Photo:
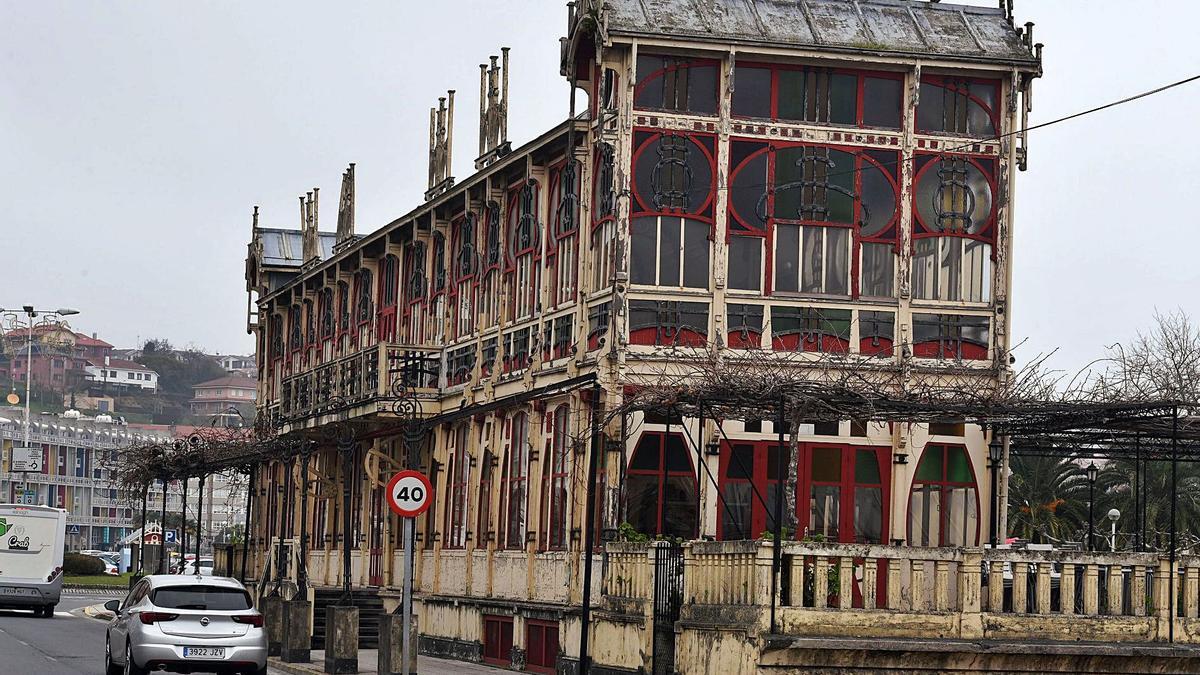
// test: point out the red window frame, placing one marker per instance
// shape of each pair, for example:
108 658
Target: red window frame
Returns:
759 480
464 263
295 328
541 646
327 331
555 478
662 474
944 486
415 290
344 316
925 162
516 214
483 528
682 62
760 520
457 481
889 234
556 236
860 96
514 481
385 316
993 112
497 640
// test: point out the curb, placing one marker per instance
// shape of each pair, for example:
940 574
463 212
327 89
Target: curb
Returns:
96 612
275 663
95 590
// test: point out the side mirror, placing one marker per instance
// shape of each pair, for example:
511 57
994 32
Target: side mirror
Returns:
113 606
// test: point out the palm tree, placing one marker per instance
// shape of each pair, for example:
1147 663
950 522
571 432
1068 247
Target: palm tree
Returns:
1047 498
1117 482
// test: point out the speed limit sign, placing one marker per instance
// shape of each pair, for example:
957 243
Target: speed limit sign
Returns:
409 493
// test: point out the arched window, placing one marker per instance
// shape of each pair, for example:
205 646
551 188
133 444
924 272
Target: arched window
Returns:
362 287
826 209
457 481
389 281
464 265
327 313
564 245
660 488
415 287
676 84
489 289
276 331
555 478
524 250
514 493
673 209
954 213
296 331
943 506
604 218
343 307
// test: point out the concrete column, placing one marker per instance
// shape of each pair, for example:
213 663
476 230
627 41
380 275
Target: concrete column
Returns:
297 631
272 611
341 640
391 644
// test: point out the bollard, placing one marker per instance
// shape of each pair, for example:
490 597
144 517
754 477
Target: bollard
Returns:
341 639
297 633
272 611
391 645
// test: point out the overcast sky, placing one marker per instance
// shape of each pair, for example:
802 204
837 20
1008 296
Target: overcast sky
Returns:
136 136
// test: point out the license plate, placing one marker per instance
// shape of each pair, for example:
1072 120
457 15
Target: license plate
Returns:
203 652
14 590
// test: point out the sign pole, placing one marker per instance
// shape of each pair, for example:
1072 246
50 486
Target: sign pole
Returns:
408 583
409 494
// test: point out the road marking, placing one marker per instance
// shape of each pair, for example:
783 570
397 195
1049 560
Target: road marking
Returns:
23 642
64 614
51 658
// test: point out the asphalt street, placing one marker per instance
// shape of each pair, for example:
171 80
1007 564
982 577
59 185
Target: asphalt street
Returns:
68 644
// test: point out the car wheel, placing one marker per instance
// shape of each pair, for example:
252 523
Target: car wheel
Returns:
110 668
130 667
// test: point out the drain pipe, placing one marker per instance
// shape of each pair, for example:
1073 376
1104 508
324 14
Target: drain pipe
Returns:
589 534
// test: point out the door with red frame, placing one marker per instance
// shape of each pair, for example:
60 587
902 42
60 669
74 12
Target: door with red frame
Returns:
843 492
541 646
848 494
497 640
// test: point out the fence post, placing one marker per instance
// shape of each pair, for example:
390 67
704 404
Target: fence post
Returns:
969 592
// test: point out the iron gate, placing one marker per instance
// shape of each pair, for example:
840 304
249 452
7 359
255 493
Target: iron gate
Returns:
668 596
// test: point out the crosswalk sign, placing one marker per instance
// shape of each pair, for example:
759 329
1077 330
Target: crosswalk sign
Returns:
74 529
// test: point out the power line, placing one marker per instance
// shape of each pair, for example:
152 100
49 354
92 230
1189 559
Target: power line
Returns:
989 139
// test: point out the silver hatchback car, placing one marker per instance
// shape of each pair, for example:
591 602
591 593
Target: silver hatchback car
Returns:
185 624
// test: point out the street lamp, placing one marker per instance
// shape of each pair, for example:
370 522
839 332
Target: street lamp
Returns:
11 319
1113 515
1092 471
995 457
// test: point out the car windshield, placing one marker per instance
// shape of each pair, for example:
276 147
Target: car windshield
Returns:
201 597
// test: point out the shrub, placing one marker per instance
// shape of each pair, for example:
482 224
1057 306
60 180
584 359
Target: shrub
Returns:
82 565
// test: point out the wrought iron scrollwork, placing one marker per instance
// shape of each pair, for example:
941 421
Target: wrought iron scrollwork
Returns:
953 201
568 200
526 232
815 170
671 178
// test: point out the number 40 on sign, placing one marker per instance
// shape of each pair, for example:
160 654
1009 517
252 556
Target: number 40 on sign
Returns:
409 493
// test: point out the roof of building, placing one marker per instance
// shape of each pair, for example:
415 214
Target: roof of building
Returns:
907 27
235 381
84 340
122 364
285 248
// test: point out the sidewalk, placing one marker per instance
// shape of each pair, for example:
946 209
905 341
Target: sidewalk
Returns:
368 660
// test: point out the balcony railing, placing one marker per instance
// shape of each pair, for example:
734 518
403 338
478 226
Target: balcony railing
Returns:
876 591
378 373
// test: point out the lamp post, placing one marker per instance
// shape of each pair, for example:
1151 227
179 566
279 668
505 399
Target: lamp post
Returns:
11 319
995 457
1113 515
1092 471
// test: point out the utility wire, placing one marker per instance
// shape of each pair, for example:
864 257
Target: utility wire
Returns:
973 142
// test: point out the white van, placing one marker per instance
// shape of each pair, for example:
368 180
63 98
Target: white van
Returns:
31 557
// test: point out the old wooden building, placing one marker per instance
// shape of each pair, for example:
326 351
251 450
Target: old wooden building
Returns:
829 183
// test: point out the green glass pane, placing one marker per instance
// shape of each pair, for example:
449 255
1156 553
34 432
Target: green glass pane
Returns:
866 467
843 99
827 465
930 467
958 468
791 94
